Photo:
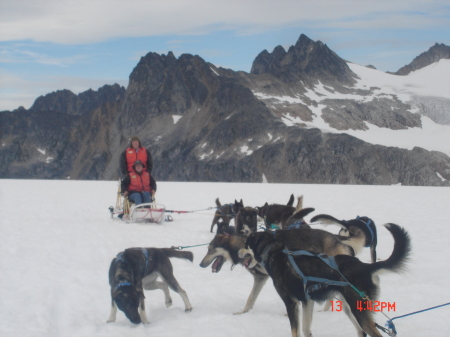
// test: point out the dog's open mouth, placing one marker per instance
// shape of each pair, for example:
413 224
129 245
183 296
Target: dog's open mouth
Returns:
247 260
217 264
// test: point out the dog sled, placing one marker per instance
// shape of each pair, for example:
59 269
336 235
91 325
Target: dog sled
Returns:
127 211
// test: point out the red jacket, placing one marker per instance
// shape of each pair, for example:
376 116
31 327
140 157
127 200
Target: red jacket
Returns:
132 156
139 183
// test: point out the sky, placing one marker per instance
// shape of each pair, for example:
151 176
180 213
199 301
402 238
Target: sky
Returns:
49 45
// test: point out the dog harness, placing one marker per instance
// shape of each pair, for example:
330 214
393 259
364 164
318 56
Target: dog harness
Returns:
321 282
372 235
297 224
121 284
120 258
145 252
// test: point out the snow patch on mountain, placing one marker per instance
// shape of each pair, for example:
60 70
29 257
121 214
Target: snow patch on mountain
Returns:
433 80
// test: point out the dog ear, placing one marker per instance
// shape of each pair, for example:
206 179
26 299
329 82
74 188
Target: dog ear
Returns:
299 203
291 200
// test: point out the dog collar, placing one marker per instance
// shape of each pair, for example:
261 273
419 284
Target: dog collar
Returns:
121 284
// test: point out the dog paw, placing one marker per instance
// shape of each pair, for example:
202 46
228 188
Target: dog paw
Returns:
240 312
168 303
188 310
110 320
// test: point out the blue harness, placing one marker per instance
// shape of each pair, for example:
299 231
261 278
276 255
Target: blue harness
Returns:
372 235
297 224
321 282
120 258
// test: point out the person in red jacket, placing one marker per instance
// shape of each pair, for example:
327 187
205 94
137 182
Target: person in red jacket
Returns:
133 153
139 185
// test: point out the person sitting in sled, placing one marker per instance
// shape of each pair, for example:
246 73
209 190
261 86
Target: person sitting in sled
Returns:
139 185
133 153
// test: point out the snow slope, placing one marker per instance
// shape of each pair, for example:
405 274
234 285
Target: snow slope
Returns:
58 241
431 81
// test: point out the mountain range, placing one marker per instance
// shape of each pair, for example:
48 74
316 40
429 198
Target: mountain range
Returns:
300 115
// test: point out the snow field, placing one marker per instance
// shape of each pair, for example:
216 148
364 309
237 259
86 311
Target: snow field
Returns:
58 241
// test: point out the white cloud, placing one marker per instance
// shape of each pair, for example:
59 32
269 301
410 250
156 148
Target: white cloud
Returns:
77 22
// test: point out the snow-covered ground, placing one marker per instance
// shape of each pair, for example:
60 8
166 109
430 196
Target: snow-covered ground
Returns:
58 241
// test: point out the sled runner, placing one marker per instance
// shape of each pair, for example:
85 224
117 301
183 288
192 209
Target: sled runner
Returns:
127 211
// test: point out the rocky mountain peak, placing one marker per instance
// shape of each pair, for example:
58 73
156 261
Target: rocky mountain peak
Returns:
66 102
204 123
167 85
306 61
303 41
432 55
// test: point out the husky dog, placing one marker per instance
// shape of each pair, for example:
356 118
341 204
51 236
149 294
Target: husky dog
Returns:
275 216
264 248
296 220
361 226
225 248
246 220
225 228
136 269
226 212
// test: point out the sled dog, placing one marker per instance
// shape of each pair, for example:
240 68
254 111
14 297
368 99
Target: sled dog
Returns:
136 269
264 248
225 228
225 248
359 227
226 212
246 221
275 216
296 220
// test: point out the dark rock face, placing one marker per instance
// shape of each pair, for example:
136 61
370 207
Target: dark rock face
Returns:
66 102
306 61
203 123
51 143
434 54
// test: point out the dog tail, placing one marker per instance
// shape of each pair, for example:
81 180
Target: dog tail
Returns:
400 254
218 203
178 254
328 220
302 213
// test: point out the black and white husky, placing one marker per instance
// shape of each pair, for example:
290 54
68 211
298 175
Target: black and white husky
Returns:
265 249
136 269
226 247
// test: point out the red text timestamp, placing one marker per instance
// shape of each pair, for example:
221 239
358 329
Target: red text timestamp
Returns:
376 306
